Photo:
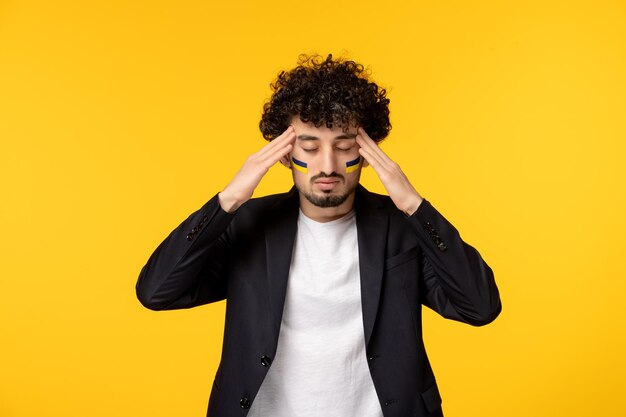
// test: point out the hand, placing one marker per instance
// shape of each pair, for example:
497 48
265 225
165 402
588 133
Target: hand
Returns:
402 193
242 186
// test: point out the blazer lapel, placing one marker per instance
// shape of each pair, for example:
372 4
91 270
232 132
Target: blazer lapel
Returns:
280 233
371 225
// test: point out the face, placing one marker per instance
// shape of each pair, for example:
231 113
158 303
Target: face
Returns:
325 163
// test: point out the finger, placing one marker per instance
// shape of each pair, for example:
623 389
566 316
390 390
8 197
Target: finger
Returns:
271 158
373 145
283 137
376 152
372 160
280 155
287 136
362 132
371 150
364 140
287 132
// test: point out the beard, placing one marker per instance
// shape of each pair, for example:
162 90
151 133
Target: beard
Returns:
329 199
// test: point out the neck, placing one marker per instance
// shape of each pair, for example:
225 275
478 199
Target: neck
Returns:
326 214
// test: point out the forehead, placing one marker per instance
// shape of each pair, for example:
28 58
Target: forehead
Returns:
308 131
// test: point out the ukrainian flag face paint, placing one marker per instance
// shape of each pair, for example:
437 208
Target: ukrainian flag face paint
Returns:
353 165
299 165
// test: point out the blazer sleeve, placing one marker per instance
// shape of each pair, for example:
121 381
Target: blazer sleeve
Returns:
188 268
456 282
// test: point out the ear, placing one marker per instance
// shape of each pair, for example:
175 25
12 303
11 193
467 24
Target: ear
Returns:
286 161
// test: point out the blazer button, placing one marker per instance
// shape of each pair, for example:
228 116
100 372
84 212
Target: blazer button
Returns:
244 402
442 246
194 230
189 236
265 360
205 218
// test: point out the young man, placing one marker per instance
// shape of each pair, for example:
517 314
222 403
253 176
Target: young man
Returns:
324 284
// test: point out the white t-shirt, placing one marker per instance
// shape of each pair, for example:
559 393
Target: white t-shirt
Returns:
320 368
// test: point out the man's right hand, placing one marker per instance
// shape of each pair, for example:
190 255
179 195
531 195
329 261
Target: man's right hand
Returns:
242 186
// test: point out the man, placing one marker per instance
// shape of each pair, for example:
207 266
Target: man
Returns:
324 284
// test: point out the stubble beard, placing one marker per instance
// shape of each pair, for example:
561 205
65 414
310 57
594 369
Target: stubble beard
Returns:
328 199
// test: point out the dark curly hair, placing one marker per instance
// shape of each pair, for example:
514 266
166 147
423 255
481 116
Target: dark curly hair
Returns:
334 92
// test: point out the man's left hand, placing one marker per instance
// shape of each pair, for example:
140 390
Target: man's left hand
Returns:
402 193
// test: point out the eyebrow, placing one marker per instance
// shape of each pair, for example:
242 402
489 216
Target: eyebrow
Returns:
344 136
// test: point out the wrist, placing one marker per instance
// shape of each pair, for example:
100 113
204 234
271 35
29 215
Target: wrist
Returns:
413 205
228 203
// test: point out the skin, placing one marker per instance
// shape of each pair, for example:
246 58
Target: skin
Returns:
326 157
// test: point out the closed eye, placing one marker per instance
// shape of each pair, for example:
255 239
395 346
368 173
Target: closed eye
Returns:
341 149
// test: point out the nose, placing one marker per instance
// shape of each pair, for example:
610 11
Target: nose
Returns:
328 162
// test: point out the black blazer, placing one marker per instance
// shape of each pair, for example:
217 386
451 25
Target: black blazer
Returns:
244 257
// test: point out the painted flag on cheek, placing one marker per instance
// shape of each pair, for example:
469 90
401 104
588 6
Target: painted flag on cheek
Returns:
353 165
299 165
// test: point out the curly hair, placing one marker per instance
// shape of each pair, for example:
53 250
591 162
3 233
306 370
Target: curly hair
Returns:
330 92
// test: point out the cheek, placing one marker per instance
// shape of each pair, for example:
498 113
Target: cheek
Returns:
299 165
353 164
301 162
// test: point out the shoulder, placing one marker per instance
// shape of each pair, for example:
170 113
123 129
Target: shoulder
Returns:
366 199
251 219
271 201
369 200
259 211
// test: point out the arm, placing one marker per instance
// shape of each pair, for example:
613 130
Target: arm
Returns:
189 268
457 283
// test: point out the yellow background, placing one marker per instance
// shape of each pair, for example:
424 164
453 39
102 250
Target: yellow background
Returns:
119 119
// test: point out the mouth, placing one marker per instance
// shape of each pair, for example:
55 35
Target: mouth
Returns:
326 184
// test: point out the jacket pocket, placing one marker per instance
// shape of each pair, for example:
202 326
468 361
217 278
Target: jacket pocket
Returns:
400 258
432 399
